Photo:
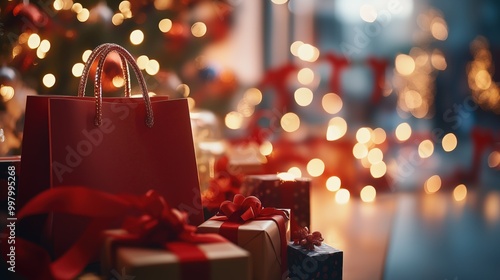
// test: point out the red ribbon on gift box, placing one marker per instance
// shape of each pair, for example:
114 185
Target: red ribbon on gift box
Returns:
307 240
158 226
242 209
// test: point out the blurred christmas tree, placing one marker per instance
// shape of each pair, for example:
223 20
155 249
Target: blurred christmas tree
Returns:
44 46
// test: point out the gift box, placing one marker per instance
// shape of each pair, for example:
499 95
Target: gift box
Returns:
263 237
178 260
290 194
323 262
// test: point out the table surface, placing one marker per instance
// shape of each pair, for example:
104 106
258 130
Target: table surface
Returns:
413 235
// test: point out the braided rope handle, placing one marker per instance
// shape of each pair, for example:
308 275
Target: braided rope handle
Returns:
103 51
97 52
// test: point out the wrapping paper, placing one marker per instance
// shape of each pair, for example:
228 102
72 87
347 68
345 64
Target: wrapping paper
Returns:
262 239
324 262
225 261
272 191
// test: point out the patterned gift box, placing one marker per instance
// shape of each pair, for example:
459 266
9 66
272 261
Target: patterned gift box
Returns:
293 195
324 262
263 237
220 260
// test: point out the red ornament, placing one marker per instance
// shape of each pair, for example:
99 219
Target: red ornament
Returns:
35 18
111 69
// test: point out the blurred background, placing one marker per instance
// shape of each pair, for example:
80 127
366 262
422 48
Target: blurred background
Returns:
381 102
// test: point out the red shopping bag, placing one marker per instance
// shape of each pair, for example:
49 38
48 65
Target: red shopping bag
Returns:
117 145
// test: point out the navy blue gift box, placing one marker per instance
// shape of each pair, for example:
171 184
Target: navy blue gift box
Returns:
324 262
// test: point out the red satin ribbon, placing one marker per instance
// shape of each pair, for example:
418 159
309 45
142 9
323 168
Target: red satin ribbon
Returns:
158 225
307 240
242 209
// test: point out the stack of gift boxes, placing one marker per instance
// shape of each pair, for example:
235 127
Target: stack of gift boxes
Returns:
257 242
245 240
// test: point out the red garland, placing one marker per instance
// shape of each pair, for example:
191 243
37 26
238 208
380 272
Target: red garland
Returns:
158 225
306 239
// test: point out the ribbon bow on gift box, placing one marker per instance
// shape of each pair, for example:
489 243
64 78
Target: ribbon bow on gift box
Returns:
241 209
157 226
244 209
307 240
160 224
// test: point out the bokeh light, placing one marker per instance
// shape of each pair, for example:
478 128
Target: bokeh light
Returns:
363 135
433 184
49 80
405 65
34 41
83 15
359 151
165 25
460 192
494 159
294 47
378 136
403 132
337 128
266 148
425 149
234 120
142 61
7 92
342 196
136 37
315 167
77 69
332 103
307 52
305 76
290 122
375 156
152 67
303 96
368 193
449 142
333 183
253 96
439 29
199 29
378 170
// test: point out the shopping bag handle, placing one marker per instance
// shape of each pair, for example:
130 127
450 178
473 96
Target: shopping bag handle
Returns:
103 50
97 52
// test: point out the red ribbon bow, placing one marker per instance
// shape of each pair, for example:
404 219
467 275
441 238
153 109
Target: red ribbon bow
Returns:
241 209
307 240
160 223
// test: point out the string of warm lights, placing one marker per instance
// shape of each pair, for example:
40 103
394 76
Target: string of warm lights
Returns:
31 40
414 84
485 92
415 72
